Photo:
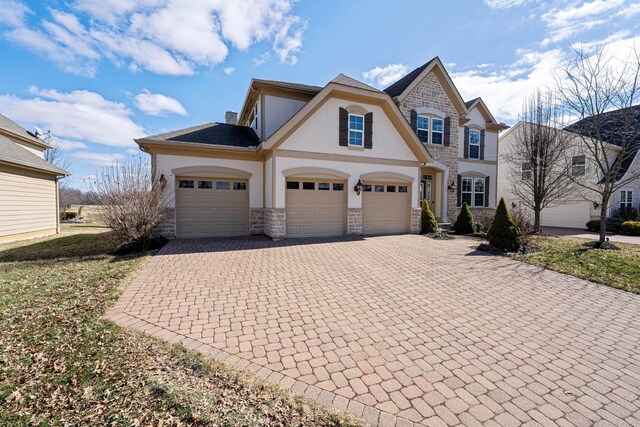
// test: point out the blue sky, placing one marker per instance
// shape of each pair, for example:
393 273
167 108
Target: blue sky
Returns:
98 73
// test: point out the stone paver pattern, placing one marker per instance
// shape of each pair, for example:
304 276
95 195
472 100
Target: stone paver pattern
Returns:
401 330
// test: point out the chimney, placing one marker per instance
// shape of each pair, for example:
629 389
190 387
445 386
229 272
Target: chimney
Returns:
231 118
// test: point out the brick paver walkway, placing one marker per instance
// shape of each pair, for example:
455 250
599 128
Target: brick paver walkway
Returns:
401 329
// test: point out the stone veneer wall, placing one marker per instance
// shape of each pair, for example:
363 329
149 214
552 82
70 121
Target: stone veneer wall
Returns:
354 222
256 221
275 223
168 227
415 221
429 93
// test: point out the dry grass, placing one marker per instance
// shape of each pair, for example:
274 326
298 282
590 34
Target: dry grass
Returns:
91 213
63 364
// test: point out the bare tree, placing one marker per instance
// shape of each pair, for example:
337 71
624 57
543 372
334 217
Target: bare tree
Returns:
56 154
599 89
537 160
133 202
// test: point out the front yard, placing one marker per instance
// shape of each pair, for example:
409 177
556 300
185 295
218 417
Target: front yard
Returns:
63 364
619 269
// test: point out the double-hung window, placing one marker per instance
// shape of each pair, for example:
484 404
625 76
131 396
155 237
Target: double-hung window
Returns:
626 198
527 171
474 144
437 131
578 165
473 191
356 130
423 128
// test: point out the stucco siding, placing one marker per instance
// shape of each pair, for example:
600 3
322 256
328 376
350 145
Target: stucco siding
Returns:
27 202
277 111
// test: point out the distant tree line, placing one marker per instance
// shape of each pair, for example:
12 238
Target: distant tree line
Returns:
74 196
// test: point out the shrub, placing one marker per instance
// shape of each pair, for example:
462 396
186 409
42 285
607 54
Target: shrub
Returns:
593 225
483 220
522 218
614 224
69 215
80 211
631 228
133 204
627 213
464 223
428 223
504 233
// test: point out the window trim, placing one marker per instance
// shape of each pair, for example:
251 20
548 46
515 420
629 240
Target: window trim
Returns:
628 204
471 130
583 165
349 130
436 131
473 191
418 128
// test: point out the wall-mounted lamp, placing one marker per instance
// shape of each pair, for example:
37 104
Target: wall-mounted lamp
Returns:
163 182
358 187
452 187
596 205
513 205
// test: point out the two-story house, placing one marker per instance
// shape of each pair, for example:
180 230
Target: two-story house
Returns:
343 159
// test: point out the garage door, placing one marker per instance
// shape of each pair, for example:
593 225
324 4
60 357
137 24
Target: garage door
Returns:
209 207
385 208
570 215
316 208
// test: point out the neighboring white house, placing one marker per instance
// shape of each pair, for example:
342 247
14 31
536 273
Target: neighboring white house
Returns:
581 205
28 185
346 158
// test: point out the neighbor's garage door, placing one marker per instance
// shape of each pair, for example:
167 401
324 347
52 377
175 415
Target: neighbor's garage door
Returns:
569 215
385 208
209 207
316 208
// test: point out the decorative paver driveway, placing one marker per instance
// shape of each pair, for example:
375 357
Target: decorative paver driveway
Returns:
401 329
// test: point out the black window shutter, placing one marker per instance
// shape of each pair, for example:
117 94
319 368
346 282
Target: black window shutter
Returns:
344 128
487 183
466 142
459 188
482 144
414 120
447 131
368 130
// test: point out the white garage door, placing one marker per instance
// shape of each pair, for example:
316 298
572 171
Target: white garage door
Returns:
569 215
385 208
316 208
210 207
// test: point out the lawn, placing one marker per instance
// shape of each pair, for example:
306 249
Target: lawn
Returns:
63 364
619 269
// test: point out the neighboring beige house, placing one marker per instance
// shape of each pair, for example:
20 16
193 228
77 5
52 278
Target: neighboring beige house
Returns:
28 185
346 158
580 205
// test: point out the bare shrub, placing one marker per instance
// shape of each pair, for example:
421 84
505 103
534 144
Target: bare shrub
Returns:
133 203
484 219
522 218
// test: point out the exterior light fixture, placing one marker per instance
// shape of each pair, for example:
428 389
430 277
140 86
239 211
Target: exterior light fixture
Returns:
163 182
358 187
596 205
452 187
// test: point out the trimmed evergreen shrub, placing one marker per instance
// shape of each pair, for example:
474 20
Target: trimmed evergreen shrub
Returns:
614 224
593 225
631 228
428 223
504 233
464 223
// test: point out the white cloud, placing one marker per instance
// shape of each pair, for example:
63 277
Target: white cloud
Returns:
162 36
133 151
66 144
79 115
98 159
228 70
384 76
504 4
13 12
156 104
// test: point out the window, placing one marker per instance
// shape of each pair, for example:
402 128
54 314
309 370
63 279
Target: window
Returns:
578 165
379 188
223 185
391 188
527 171
338 186
626 198
308 185
472 192
474 144
437 130
402 189
239 185
205 184
366 187
186 183
253 119
356 130
293 185
423 128
427 177
324 186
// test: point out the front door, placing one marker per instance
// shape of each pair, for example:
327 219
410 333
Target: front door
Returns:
427 190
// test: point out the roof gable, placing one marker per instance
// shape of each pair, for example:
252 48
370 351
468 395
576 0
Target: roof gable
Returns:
12 153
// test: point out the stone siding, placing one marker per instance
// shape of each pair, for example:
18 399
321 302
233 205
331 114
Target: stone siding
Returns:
415 221
168 226
354 222
429 93
275 223
256 221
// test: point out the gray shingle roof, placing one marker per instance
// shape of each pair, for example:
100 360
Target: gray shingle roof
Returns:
11 126
212 134
470 102
398 87
289 85
12 152
349 81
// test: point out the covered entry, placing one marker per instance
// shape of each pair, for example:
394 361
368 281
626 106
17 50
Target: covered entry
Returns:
316 207
211 207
